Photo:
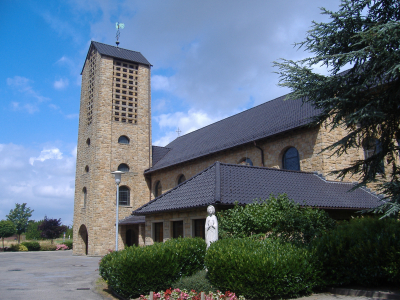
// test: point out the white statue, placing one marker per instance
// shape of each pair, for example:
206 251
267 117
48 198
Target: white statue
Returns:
211 226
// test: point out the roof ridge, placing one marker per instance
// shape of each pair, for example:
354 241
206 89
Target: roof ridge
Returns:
231 116
115 46
268 168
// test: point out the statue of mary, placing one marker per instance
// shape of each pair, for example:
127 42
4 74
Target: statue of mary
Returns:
211 226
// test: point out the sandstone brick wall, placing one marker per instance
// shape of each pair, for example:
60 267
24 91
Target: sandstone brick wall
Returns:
104 155
308 141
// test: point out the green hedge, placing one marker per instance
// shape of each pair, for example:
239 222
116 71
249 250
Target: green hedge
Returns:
261 269
32 246
48 247
198 282
364 251
136 271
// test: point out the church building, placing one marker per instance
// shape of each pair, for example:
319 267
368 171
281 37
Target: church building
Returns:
164 191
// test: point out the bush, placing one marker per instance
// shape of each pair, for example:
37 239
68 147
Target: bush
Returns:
136 270
48 247
364 251
274 217
18 247
32 246
261 269
68 243
198 282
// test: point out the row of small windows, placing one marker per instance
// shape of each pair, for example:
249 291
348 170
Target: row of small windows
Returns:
177 229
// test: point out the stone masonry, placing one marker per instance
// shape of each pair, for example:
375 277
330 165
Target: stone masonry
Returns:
99 153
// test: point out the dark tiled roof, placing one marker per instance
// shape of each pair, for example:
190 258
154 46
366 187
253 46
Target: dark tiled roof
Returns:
132 220
117 52
265 120
158 153
225 184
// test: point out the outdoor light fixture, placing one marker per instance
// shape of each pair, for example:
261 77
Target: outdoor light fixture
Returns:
117 175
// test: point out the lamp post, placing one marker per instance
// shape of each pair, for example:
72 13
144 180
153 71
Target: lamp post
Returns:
117 175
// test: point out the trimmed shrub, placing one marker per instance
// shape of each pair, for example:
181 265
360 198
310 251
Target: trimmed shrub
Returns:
261 269
32 246
48 247
136 270
68 243
18 247
364 251
198 282
275 217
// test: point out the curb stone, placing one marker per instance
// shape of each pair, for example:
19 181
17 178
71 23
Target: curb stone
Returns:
364 293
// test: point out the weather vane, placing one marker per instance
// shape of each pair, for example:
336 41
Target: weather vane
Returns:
119 26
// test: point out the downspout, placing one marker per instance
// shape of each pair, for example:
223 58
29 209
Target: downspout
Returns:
262 154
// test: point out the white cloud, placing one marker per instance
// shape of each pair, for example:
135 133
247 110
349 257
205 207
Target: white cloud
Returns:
30 108
47 186
46 154
23 85
60 84
186 122
159 82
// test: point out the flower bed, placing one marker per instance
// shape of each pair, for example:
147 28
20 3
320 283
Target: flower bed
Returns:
178 294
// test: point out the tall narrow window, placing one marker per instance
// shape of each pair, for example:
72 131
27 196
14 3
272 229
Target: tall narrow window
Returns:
124 196
84 192
157 189
181 179
199 228
177 229
158 232
371 147
291 160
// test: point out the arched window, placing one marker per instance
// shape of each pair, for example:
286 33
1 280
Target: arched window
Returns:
87 169
123 139
123 168
371 147
84 192
181 179
246 161
88 141
157 189
124 196
291 160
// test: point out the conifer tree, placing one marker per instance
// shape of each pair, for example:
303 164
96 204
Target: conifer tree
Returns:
362 38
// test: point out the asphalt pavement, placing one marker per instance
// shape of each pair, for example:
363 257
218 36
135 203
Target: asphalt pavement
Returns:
48 275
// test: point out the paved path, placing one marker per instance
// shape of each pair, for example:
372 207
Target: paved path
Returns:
48 275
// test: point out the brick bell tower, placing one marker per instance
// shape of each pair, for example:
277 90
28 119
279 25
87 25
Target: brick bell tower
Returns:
114 134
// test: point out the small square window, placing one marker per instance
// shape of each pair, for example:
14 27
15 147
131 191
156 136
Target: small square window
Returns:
123 103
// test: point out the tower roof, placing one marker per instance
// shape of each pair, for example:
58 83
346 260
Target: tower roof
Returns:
117 52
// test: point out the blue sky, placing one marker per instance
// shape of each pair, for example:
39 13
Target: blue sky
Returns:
211 59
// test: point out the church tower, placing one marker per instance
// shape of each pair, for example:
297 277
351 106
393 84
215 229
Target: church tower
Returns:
114 134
